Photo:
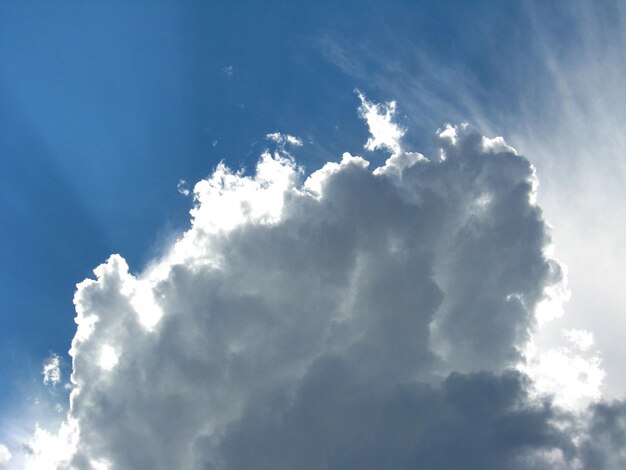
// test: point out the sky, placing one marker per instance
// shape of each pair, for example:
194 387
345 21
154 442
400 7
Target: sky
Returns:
337 235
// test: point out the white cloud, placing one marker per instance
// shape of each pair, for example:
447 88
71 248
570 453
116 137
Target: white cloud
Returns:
51 370
571 374
183 188
497 145
582 339
555 297
108 357
284 139
385 134
315 182
361 319
5 456
449 132
51 450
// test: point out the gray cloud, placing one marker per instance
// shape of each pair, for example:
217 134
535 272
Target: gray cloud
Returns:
361 319
474 421
604 446
547 101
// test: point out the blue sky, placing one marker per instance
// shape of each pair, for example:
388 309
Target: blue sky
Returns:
104 108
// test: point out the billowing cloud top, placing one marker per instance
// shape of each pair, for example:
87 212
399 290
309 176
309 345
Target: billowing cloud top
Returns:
357 319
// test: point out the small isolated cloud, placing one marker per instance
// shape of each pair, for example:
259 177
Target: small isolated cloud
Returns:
385 133
229 70
5 457
51 370
183 188
284 139
364 318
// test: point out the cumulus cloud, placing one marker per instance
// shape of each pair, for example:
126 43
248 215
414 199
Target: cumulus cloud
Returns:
357 318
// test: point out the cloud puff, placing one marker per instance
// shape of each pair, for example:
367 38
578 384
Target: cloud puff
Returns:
283 140
385 133
357 319
51 370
